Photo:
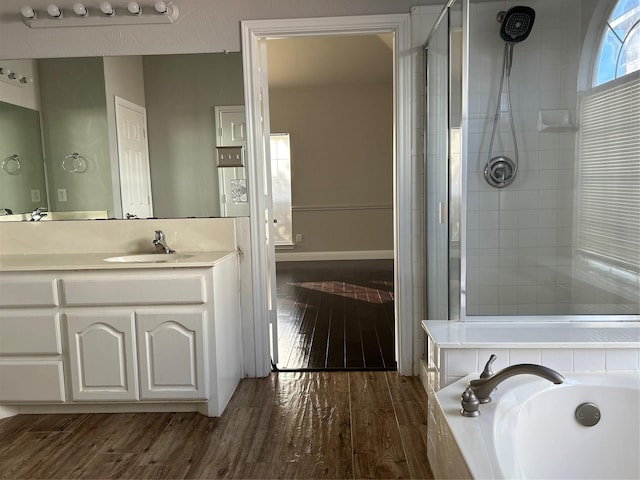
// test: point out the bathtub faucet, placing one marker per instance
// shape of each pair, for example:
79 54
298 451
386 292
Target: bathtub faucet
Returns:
479 390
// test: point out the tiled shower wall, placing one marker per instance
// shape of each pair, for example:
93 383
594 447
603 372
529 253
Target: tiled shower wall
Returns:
519 238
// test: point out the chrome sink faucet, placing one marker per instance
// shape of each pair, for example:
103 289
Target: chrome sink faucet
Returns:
161 243
479 390
37 215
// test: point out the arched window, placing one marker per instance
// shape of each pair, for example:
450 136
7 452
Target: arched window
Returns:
608 180
619 52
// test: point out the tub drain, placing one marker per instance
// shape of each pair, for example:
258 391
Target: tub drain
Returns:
588 414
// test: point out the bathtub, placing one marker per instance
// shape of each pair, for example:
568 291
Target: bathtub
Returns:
530 430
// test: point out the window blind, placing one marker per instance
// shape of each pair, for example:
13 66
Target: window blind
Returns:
608 221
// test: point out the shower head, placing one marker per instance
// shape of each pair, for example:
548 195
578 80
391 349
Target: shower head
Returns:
517 23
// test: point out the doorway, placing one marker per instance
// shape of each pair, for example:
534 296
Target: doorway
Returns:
334 96
255 34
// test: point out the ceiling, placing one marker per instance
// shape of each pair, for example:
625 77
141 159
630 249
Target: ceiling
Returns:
336 60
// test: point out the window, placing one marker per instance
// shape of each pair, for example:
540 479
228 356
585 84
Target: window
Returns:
281 188
619 52
608 184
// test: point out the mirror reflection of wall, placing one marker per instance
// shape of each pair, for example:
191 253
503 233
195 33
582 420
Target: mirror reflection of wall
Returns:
74 119
78 115
22 185
182 92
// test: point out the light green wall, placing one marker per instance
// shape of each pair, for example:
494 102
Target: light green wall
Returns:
181 93
124 78
20 134
74 118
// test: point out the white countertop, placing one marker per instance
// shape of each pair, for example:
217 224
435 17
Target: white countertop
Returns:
537 334
96 261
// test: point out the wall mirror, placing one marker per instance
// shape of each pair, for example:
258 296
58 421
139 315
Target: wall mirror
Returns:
83 118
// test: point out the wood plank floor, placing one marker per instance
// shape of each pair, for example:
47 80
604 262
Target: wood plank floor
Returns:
336 315
306 425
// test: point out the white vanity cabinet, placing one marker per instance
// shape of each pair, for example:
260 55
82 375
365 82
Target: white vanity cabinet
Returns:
134 336
137 355
138 335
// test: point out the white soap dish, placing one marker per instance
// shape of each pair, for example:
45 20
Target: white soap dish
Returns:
555 121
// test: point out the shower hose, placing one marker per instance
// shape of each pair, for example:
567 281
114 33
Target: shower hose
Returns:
498 171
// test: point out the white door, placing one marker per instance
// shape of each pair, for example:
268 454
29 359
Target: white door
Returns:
232 126
262 218
267 202
133 158
232 132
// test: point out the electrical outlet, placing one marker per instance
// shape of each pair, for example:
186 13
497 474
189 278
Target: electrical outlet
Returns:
62 194
35 196
298 238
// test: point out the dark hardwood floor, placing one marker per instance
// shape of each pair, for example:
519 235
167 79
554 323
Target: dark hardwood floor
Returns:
336 315
306 425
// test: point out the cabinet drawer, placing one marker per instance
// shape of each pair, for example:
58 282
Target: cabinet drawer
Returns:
27 292
36 381
133 290
28 334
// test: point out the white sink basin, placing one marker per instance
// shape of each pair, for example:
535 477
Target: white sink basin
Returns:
148 258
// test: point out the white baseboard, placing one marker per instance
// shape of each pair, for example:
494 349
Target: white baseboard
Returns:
319 256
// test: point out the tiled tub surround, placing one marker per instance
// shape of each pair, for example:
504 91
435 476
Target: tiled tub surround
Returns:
456 349
530 419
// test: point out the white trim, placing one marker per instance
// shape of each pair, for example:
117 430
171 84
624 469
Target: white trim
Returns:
253 32
338 255
591 44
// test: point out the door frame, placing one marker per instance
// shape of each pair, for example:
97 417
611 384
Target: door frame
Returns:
253 33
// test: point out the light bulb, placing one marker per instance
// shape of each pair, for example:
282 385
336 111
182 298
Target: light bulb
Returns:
161 7
106 8
134 8
80 10
28 12
54 11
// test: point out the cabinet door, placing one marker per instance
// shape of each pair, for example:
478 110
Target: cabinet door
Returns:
102 354
172 355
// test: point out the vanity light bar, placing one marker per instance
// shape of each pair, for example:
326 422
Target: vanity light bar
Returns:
14 78
104 13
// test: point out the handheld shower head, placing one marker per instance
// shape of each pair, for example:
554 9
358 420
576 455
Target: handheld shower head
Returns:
515 26
517 23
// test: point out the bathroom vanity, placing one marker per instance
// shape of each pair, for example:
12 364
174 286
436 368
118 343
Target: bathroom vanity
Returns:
143 333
